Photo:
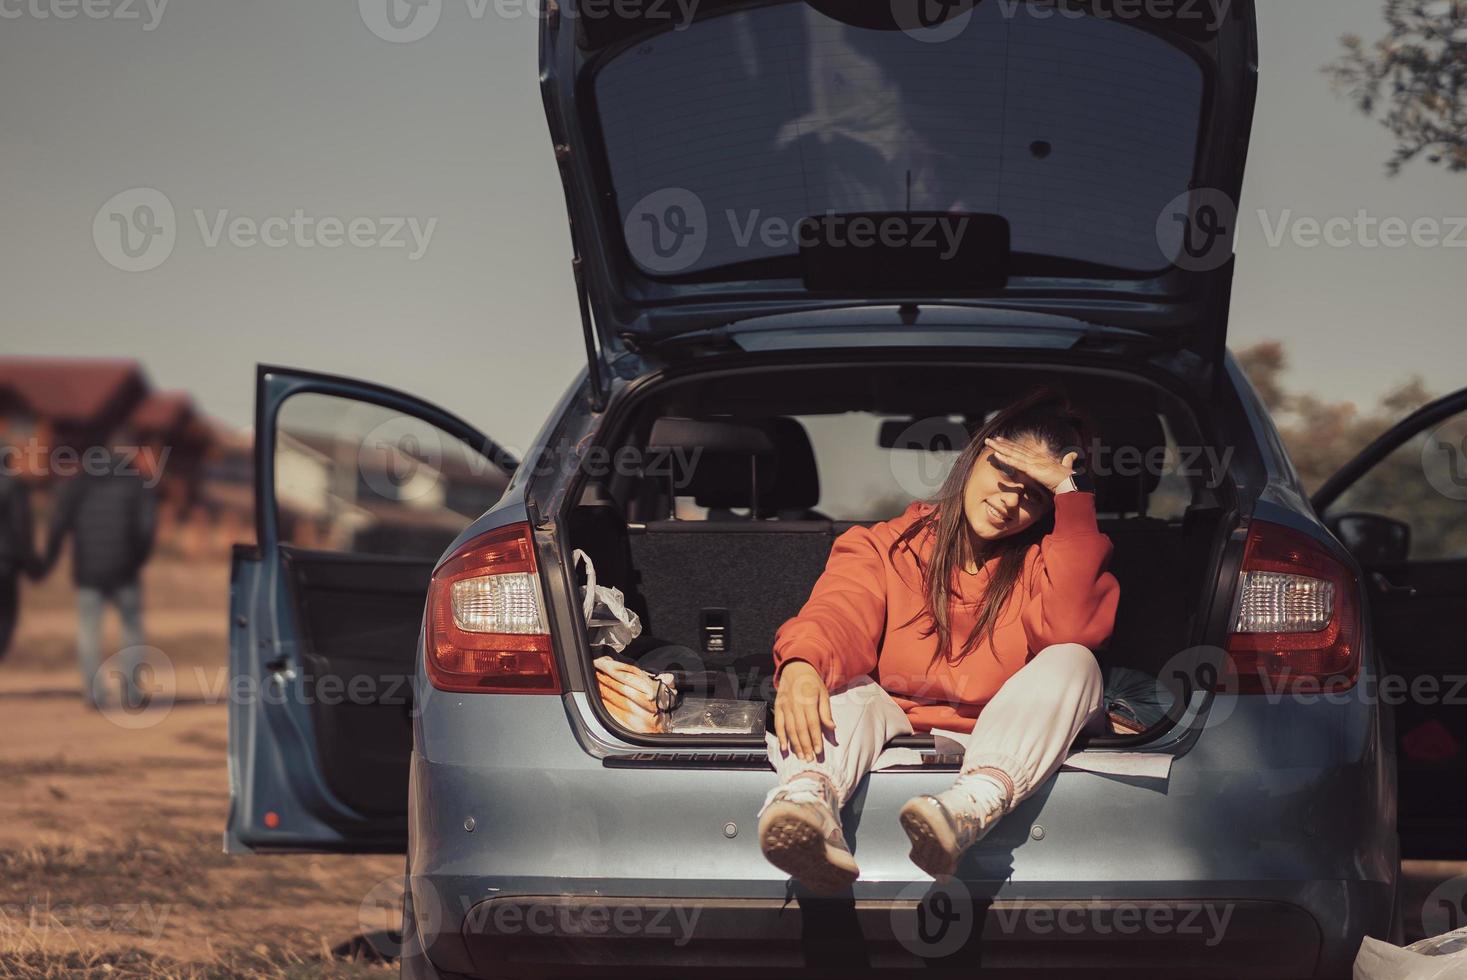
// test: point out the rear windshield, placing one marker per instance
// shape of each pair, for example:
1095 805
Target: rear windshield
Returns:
1078 130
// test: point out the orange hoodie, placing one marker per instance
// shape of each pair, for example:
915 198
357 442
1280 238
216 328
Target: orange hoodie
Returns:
852 623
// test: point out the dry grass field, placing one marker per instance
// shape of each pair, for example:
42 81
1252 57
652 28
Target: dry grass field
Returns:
110 856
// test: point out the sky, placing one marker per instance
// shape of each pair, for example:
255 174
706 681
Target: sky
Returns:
257 108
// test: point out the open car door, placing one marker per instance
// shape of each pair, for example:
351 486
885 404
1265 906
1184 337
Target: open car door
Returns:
1401 509
358 490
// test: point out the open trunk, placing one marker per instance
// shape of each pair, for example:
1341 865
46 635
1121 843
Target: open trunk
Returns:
714 498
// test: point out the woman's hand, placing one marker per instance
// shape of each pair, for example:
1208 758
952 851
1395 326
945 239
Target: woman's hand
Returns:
1041 468
629 694
802 711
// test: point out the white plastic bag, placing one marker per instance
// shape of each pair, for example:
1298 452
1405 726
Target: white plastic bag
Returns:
608 619
1441 957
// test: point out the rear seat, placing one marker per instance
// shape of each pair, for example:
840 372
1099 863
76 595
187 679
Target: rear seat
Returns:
732 581
723 587
1156 562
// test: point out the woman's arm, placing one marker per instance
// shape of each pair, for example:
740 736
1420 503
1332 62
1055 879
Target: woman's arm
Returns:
1072 598
839 629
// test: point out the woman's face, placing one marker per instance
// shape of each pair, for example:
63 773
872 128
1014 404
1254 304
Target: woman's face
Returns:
1000 501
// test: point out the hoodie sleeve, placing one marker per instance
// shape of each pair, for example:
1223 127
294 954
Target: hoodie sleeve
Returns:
1072 598
839 629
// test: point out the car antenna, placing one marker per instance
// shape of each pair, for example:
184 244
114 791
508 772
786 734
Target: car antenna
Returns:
908 311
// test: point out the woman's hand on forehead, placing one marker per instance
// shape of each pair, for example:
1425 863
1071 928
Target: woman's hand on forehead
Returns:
1042 468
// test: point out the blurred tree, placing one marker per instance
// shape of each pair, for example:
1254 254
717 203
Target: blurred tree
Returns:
1322 436
1414 80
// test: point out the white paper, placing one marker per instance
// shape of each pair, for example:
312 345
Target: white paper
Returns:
1149 765
1106 762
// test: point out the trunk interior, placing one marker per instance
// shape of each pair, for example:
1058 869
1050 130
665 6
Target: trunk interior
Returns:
714 501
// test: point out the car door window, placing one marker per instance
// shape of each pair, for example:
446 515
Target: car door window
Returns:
1422 484
355 477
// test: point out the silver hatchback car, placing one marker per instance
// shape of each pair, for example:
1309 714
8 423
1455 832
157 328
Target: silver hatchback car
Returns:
815 246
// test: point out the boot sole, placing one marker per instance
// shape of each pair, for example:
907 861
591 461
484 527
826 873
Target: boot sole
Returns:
933 843
795 846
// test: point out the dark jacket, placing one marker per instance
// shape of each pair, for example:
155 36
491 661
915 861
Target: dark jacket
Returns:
17 544
111 517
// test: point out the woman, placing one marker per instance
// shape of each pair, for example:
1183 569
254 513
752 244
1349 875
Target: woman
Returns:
974 613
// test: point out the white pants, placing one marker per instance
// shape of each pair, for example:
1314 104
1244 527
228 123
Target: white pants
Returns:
1025 731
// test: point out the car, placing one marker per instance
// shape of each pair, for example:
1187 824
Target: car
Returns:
774 357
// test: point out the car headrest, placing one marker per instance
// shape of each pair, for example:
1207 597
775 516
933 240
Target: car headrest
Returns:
713 461
796 480
1126 472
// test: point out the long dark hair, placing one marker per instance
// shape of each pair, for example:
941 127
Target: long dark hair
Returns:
1045 415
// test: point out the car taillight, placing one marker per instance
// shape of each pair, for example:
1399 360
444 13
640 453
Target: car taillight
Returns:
486 619
1298 619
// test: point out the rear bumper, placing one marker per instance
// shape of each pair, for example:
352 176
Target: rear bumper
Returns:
1264 854
586 936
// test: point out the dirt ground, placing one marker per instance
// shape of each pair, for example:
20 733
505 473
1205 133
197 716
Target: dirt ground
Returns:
111 862
110 830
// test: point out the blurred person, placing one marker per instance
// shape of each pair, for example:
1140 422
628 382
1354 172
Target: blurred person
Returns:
111 515
17 551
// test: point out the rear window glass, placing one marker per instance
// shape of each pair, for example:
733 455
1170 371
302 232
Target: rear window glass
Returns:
1078 130
861 481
